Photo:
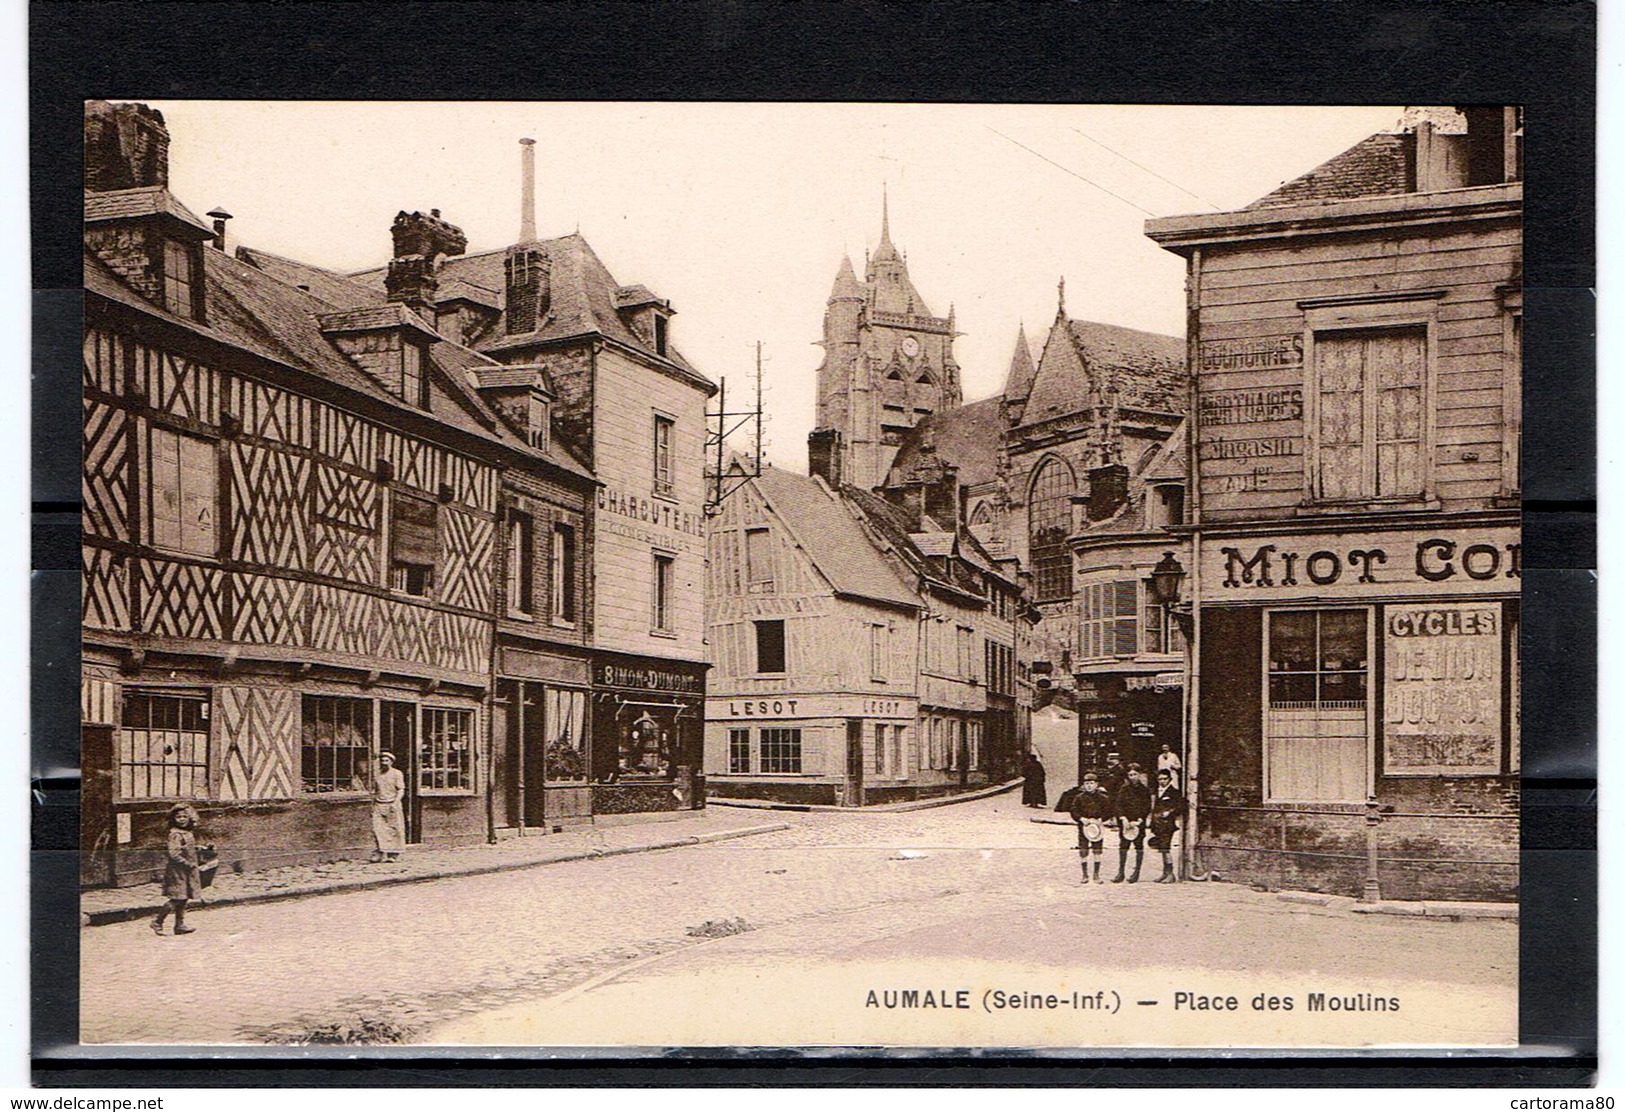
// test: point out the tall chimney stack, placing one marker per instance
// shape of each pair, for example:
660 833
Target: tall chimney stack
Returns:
527 195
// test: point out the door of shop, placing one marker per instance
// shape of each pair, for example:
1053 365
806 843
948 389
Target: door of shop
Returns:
397 734
97 832
854 762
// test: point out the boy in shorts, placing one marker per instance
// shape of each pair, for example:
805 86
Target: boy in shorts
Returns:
1090 809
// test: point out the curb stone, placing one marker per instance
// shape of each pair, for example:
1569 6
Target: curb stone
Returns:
877 809
105 916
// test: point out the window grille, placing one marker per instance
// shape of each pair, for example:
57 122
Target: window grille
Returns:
164 745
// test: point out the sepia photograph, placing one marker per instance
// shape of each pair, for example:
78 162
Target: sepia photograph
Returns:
643 575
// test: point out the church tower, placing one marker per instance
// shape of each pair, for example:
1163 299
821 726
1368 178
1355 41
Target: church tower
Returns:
888 363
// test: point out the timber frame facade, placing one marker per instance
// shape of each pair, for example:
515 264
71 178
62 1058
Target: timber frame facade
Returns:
300 520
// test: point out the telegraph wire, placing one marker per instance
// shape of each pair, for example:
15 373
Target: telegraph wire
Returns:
1147 169
1065 170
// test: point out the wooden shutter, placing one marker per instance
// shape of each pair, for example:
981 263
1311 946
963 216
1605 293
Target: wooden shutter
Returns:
1340 373
164 489
413 537
1127 604
1398 363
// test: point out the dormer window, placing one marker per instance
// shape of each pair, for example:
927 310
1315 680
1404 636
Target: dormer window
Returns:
414 375
541 422
180 279
661 327
1165 506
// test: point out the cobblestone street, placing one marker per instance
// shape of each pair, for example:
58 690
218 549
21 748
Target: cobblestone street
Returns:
951 888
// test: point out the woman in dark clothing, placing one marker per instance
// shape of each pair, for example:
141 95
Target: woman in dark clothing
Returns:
1132 805
182 880
1033 793
1167 812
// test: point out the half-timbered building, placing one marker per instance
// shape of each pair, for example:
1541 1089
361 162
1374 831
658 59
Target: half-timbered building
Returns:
296 519
864 649
600 357
1356 339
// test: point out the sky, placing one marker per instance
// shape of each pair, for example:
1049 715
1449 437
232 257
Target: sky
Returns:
739 213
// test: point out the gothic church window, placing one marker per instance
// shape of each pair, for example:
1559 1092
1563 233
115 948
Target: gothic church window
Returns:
1049 519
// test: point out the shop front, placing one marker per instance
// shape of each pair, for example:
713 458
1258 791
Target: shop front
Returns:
1358 719
647 729
832 750
542 746
1132 715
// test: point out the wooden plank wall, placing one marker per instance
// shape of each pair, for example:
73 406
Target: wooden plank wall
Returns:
1250 294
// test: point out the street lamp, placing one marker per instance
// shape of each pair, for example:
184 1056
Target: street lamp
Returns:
1166 579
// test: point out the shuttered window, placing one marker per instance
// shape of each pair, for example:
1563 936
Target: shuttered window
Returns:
183 499
1108 620
1370 389
414 544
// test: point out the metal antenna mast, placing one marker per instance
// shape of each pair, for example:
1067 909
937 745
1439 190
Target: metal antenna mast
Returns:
727 475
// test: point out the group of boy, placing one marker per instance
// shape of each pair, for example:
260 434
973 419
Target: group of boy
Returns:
1122 798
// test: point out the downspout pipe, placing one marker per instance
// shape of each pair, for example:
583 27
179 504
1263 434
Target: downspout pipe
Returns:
1193 651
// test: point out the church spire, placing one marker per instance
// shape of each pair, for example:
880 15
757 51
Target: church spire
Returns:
1019 380
846 282
1060 297
885 250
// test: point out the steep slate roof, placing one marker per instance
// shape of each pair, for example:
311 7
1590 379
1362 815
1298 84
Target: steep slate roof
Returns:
1379 164
1147 368
897 528
1018 381
967 437
251 310
147 200
582 299
330 286
832 538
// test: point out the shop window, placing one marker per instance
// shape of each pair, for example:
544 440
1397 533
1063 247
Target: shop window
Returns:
662 453
563 574
414 544
446 755
183 487
880 748
739 751
163 745
1049 520
660 617
564 718
1108 620
770 645
645 747
1317 735
974 744
1370 394
180 279
781 749
954 736
520 560
758 560
899 751
335 744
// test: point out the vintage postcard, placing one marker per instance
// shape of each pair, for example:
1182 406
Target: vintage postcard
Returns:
565 575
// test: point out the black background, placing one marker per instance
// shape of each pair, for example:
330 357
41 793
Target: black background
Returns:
1538 54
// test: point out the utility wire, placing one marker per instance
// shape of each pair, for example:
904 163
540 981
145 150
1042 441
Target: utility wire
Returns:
1147 169
1074 173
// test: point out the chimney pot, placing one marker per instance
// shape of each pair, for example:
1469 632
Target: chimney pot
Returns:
220 217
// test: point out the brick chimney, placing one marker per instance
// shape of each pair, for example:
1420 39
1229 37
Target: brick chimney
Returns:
824 456
1108 490
126 147
420 242
931 487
